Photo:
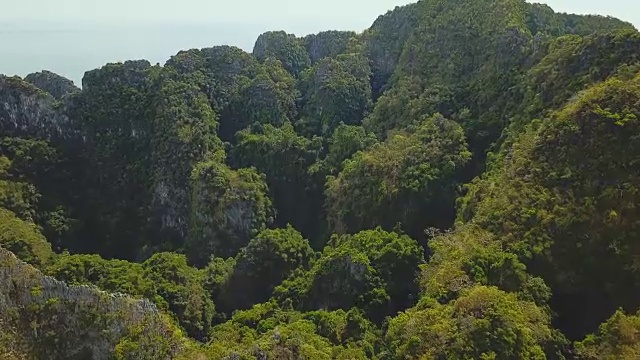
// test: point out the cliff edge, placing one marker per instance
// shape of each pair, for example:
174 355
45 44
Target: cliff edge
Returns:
43 318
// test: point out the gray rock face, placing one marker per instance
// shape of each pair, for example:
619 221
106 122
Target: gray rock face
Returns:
385 40
227 208
27 294
327 44
56 85
27 110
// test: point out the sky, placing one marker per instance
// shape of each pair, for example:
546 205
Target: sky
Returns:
72 36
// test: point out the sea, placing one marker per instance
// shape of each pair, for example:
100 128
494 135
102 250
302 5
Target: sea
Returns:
70 49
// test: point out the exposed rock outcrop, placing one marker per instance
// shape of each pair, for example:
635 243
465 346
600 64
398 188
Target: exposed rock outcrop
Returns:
56 85
327 44
27 110
83 321
385 40
227 208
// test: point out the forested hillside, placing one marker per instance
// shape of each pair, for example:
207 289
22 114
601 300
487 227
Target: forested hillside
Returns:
458 181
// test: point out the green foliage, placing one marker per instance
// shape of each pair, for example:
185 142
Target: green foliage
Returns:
185 134
24 240
458 73
165 278
12 345
263 264
116 276
350 329
31 159
542 19
20 197
239 88
484 323
216 275
221 69
15 83
286 48
409 180
571 64
617 338
564 203
267 330
181 288
358 271
407 104
335 91
140 344
295 341
32 184
472 256
52 320
112 161
269 98
228 208
343 144
343 278
284 157
28 111
394 257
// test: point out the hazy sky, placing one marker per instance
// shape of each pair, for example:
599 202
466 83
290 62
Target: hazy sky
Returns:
357 12
353 13
301 15
71 36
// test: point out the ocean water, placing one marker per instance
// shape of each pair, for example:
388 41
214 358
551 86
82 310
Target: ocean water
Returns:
71 49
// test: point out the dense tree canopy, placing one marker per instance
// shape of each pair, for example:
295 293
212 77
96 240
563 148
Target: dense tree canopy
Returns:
409 180
335 91
24 240
617 338
359 271
263 264
228 208
284 157
286 48
565 193
483 323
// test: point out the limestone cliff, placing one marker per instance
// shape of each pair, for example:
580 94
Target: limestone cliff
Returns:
27 110
56 85
327 44
43 318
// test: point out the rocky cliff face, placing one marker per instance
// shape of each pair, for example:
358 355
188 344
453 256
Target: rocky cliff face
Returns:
384 42
27 110
327 44
56 85
75 322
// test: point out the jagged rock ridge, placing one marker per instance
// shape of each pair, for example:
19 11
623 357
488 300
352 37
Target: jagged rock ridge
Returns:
56 85
87 323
